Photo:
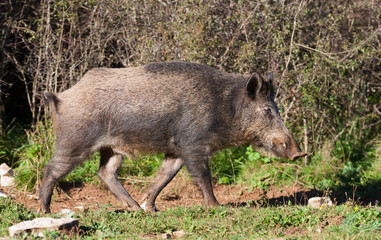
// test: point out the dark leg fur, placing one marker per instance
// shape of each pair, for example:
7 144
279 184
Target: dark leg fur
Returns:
198 167
110 163
57 168
168 170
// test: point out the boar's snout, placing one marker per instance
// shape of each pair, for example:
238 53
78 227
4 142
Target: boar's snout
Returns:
286 147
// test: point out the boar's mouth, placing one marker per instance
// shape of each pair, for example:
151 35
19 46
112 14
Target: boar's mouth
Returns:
286 147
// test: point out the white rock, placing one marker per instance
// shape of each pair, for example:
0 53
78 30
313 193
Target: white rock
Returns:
318 202
3 195
179 234
4 168
65 211
80 207
41 224
31 196
7 181
6 175
165 236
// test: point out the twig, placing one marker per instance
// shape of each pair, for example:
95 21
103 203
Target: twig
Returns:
136 180
288 109
65 193
231 162
296 180
305 141
292 37
375 109
338 135
318 51
285 164
349 51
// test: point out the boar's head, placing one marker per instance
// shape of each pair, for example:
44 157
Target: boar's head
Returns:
259 120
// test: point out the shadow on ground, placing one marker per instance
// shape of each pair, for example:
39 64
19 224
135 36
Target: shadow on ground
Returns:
67 186
362 195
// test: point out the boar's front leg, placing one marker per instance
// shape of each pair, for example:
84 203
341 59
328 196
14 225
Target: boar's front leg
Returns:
198 166
168 170
109 165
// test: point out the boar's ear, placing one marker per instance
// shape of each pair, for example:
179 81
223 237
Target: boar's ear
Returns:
254 85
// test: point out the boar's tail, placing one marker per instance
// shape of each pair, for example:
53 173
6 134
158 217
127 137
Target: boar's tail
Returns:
48 98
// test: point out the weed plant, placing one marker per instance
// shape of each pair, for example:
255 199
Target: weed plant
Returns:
34 155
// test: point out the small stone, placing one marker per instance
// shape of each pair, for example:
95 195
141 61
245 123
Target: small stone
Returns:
3 195
7 181
65 211
41 224
6 175
319 202
4 168
80 207
165 236
31 196
179 234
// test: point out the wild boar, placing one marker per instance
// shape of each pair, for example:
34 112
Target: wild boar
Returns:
188 111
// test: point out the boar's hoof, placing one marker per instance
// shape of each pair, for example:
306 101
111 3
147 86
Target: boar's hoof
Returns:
149 208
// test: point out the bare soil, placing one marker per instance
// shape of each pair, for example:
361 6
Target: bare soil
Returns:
180 192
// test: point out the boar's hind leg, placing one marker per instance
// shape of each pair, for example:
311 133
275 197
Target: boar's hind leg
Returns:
198 167
168 170
110 163
56 169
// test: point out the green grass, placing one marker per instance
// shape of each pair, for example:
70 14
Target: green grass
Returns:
12 213
346 221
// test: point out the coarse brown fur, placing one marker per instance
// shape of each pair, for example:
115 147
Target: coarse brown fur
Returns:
187 111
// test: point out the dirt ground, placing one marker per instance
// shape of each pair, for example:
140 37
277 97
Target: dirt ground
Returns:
180 192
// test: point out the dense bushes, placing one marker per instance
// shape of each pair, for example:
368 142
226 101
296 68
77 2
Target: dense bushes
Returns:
325 55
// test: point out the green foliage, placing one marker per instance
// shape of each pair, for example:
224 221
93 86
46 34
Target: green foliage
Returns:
327 169
244 165
226 165
34 155
86 172
142 166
